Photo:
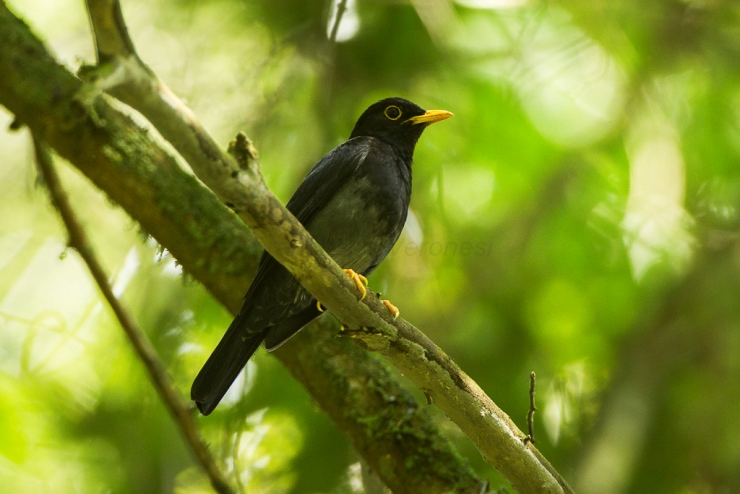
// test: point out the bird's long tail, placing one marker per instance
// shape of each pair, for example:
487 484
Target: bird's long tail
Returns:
224 364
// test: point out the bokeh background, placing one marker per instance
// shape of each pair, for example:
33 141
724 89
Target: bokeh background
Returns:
578 217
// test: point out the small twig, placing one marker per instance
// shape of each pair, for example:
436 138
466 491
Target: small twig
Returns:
530 413
161 380
243 150
341 8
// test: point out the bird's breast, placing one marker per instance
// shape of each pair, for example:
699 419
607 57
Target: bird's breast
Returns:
361 223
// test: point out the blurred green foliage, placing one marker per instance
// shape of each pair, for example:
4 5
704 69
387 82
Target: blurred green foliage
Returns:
578 217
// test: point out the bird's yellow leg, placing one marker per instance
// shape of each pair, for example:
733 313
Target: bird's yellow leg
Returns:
318 306
392 308
359 280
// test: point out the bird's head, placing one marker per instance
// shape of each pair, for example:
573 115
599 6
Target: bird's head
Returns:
396 121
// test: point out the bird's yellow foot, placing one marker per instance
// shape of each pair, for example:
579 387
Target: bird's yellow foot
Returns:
392 308
359 280
318 306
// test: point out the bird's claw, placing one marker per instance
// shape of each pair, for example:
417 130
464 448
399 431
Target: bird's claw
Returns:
359 280
392 308
318 306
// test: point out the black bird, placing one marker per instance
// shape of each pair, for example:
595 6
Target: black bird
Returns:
354 202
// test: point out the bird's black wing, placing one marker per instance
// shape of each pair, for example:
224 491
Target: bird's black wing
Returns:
327 177
241 340
321 183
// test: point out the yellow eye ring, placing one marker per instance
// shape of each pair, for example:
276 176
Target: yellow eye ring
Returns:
393 112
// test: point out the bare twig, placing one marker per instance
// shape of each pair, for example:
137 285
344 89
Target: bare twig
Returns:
532 409
161 380
341 8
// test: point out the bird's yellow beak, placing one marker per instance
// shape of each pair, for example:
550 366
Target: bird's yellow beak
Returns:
430 117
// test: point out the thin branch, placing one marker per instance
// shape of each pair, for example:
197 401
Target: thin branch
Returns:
161 380
341 8
532 409
500 442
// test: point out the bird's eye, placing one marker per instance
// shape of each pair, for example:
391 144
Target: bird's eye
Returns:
393 112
